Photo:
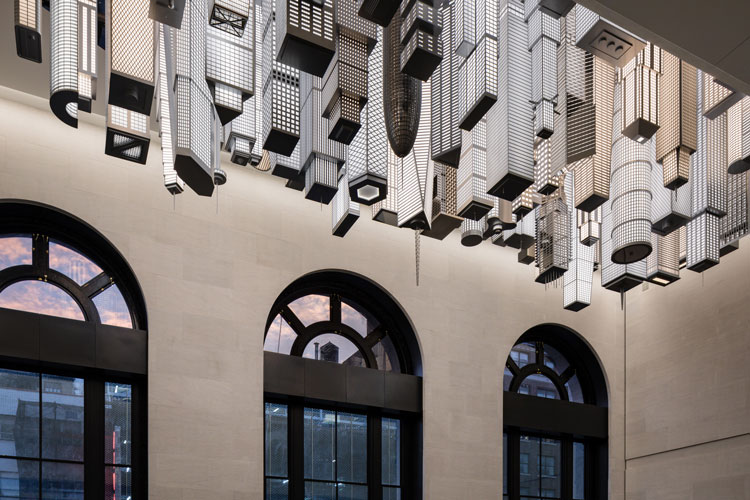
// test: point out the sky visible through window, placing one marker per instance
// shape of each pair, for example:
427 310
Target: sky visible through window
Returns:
45 298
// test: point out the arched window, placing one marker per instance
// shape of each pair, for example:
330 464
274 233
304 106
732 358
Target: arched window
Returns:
73 351
555 418
343 393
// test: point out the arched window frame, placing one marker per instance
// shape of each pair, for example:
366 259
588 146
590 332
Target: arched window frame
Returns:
101 355
561 421
299 383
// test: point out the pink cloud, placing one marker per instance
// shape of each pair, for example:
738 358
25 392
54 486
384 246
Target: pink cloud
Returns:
311 308
40 297
15 251
71 263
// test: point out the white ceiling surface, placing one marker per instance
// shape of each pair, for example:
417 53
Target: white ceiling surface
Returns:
713 35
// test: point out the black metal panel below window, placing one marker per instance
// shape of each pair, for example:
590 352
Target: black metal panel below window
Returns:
549 415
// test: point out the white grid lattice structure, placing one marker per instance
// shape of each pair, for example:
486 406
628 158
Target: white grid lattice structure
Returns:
738 136
703 234
127 134
677 134
445 135
230 69
525 202
510 134
344 211
472 232
473 202
543 40
734 225
87 36
257 152
231 16
386 211
63 95
593 172
553 229
27 14
416 173
631 192
663 264
321 179
617 277
305 34
478 71
239 135
444 218
545 179
131 51
281 96
640 94
589 224
717 96
420 36
166 109
288 167
195 112
671 209
367 165
577 280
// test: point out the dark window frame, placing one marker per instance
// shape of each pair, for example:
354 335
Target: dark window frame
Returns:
95 365
584 365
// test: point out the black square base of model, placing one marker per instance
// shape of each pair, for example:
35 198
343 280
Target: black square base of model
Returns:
624 283
126 146
378 11
640 130
475 210
476 113
28 44
343 130
345 224
449 157
670 223
305 56
321 193
510 187
199 178
226 115
280 142
576 306
591 203
421 64
130 94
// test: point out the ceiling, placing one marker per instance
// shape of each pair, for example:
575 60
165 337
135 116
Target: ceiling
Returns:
714 39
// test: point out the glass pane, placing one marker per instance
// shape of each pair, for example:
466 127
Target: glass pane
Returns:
19 479
523 354
117 423
505 464
529 452
40 297
391 451
320 444
118 483
579 459
276 440
539 385
352 492
62 418
15 251
351 447
311 309
62 481
334 348
507 378
391 493
71 263
277 489
549 468
554 359
112 308
575 393
320 491
280 336
358 318
19 424
385 354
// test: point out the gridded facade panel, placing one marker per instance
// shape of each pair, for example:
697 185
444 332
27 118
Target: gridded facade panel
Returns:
444 217
631 193
281 99
127 134
472 199
321 179
131 54
577 280
640 94
231 16
166 109
195 111
478 79
676 138
734 225
87 38
27 20
63 97
445 134
416 174
738 137
305 34
552 239
288 167
703 235
239 135
671 209
344 211
510 146
420 36
617 277
545 177
717 97
314 139
386 211
663 264
543 40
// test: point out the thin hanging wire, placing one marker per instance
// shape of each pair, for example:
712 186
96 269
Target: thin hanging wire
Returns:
417 233
217 199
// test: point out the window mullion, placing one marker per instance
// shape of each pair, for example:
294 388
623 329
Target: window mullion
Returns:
374 457
40 254
93 438
566 469
296 450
